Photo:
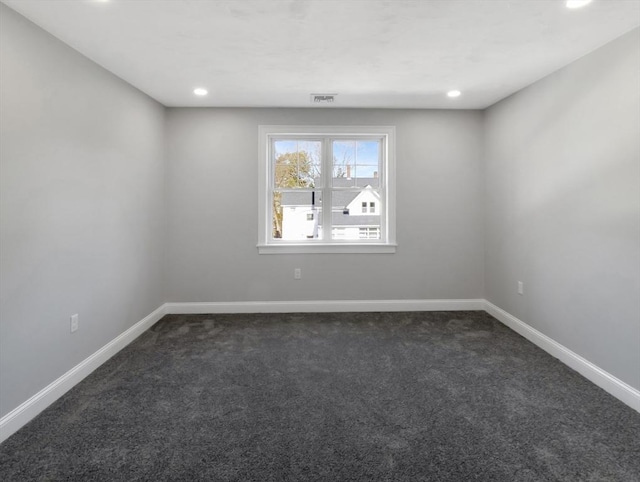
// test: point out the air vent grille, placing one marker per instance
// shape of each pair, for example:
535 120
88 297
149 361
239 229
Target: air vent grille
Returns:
323 98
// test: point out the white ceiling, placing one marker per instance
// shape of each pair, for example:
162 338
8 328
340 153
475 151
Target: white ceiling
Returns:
373 53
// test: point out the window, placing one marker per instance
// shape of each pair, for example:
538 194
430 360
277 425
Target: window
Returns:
369 233
326 190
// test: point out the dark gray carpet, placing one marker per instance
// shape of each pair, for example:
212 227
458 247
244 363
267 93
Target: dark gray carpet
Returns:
353 396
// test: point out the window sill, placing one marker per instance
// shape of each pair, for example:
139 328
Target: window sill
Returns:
336 248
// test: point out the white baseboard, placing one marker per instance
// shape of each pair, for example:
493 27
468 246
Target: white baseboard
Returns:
324 306
21 415
26 411
619 389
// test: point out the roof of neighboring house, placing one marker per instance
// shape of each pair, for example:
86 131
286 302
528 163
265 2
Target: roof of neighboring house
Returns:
341 199
339 219
297 198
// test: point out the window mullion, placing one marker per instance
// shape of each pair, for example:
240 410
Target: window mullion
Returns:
327 203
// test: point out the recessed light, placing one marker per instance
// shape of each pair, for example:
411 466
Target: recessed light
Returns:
454 93
577 3
200 91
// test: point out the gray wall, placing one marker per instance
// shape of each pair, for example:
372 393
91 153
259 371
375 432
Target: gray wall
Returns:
563 206
213 209
81 204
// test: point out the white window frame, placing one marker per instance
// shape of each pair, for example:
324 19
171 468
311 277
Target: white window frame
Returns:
387 176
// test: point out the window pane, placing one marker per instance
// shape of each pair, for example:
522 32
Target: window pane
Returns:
356 163
297 215
297 163
350 214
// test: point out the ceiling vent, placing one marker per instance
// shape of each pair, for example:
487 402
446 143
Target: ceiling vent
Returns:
323 98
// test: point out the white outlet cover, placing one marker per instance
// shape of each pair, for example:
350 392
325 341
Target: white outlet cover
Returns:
74 323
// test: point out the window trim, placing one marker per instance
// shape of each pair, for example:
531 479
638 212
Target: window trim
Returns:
266 246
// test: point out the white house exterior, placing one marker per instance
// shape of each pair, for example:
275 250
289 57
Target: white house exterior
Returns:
300 222
354 214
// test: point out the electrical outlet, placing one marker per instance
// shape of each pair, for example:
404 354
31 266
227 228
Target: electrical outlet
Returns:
297 273
520 288
74 323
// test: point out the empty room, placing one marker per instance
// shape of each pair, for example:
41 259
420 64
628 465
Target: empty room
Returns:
290 240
